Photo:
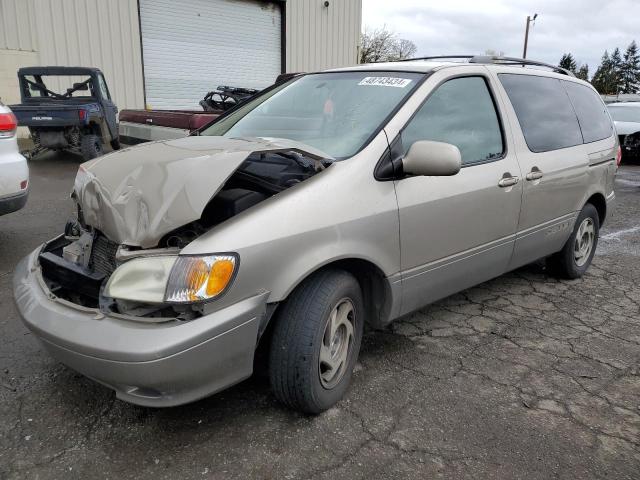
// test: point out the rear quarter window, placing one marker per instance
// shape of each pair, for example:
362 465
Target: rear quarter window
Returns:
544 111
591 110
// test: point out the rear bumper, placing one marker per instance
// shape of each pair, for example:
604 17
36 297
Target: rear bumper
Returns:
13 171
13 203
132 133
150 364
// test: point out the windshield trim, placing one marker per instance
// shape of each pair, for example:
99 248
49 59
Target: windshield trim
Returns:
421 79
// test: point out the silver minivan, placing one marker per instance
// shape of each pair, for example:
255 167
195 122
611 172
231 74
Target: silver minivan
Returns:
334 200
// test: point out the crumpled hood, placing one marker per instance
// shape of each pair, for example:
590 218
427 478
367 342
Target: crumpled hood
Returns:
137 195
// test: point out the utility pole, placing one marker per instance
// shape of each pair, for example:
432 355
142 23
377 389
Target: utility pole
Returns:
526 33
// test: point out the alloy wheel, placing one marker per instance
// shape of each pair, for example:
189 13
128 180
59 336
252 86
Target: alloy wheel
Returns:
337 343
585 238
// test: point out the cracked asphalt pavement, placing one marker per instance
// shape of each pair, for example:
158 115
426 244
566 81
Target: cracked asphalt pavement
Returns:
524 377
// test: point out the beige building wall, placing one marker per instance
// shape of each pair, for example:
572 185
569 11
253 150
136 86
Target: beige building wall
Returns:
106 34
320 37
85 33
10 61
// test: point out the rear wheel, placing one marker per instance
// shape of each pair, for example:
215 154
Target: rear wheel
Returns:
316 341
115 143
90 146
575 257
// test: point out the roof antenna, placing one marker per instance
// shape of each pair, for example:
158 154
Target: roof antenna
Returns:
526 33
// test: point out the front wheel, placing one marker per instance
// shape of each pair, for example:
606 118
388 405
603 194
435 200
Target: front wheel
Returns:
316 341
576 255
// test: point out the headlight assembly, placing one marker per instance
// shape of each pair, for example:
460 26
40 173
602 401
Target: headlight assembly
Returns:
194 279
172 278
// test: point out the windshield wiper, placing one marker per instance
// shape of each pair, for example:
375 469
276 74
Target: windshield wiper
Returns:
307 162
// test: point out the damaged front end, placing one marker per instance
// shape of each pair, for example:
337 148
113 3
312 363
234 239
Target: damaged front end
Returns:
139 207
631 145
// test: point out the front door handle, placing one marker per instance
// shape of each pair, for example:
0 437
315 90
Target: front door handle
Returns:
534 174
508 181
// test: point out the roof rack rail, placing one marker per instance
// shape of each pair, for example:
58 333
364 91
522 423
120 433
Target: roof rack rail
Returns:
492 59
518 61
438 57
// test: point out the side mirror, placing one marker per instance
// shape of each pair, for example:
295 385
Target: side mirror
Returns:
80 86
429 158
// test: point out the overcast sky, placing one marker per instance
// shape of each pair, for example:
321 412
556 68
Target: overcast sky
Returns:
583 27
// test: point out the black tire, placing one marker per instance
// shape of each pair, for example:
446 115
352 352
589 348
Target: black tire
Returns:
294 358
115 143
564 264
90 146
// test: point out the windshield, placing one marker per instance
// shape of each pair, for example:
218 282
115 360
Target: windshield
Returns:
625 114
337 113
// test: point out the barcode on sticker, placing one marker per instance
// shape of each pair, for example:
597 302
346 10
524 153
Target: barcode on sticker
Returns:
385 81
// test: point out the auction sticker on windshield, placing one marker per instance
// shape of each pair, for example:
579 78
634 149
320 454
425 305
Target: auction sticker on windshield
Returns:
385 81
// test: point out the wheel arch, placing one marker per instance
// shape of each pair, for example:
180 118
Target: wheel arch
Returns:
376 288
380 299
98 126
378 292
600 203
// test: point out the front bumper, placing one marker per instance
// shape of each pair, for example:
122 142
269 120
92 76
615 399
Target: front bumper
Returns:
150 364
13 203
630 151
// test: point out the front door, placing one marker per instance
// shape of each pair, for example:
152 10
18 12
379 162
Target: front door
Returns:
458 231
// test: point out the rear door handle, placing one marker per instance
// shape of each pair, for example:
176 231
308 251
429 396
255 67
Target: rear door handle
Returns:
534 174
508 181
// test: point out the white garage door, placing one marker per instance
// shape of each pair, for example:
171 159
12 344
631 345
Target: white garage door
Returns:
190 47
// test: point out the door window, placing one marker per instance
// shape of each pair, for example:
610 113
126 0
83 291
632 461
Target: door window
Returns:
460 112
591 110
544 111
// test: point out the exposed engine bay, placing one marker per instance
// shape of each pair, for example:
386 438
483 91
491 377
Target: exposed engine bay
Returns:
261 176
77 265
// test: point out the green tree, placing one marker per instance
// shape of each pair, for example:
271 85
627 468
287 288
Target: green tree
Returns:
616 71
604 78
583 72
630 70
568 63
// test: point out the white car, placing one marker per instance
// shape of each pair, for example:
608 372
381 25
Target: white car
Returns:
626 116
14 172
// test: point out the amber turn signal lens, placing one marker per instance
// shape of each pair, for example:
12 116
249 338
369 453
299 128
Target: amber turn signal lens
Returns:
195 278
219 276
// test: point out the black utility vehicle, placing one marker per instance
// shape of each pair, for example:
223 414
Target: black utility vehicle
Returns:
81 118
224 98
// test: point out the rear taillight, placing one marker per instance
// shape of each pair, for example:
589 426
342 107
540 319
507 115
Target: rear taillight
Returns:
24 184
82 114
8 125
619 156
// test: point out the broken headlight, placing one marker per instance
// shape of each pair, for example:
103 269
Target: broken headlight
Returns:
172 278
